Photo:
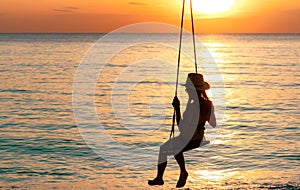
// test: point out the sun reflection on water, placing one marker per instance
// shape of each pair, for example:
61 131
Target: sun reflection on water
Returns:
214 175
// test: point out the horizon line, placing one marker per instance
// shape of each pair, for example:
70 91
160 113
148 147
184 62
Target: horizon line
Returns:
216 33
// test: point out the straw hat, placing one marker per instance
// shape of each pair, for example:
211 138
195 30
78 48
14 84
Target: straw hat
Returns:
196 81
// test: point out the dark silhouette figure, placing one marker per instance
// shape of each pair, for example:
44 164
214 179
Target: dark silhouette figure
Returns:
199 110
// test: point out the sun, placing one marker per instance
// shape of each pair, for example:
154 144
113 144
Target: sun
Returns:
212 6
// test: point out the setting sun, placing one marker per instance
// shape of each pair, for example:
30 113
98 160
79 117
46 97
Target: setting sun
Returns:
212 6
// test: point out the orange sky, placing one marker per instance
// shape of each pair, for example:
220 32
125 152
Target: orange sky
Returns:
246 16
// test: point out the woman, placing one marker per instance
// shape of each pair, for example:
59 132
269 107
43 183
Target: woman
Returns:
199 109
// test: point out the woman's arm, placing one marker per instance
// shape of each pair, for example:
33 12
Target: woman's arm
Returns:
212 119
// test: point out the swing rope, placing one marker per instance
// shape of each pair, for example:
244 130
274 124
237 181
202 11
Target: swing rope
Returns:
193 29
179 56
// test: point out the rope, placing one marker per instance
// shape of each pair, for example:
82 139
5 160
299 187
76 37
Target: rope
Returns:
179 53
178 66
179 56
193 29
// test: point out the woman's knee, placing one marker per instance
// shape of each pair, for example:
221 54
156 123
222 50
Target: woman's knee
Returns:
163 148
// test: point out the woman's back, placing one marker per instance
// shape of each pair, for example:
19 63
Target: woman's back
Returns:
205 112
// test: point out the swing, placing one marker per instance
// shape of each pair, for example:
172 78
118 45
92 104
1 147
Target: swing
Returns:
203 141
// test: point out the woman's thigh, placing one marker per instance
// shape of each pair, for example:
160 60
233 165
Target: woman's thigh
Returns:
173 146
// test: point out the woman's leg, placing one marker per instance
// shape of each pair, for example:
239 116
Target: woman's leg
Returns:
180 160
159 177
162 159
160 170
161 165
183 173
170 147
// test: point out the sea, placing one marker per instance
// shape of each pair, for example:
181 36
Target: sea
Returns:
89 111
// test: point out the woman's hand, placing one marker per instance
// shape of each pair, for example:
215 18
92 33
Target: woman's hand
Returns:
176 102
176 105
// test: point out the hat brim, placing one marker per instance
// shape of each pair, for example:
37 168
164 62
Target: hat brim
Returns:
204 86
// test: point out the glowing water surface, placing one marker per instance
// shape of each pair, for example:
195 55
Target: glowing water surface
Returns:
257 146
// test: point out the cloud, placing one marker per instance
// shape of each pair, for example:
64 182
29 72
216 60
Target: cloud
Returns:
63 10
72 8
137 3
67 9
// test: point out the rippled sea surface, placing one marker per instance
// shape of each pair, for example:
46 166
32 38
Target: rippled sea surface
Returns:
256 145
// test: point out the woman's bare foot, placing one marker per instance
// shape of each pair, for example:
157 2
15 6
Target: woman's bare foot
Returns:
182 179
156 181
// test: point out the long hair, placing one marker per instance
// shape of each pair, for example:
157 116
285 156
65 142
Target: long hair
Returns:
199 95
202 94
204 103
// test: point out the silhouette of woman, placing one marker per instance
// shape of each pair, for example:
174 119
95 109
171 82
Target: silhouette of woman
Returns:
199 109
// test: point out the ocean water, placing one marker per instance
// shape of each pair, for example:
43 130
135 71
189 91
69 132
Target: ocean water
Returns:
45 143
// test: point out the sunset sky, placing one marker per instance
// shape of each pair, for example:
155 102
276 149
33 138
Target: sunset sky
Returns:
244 16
